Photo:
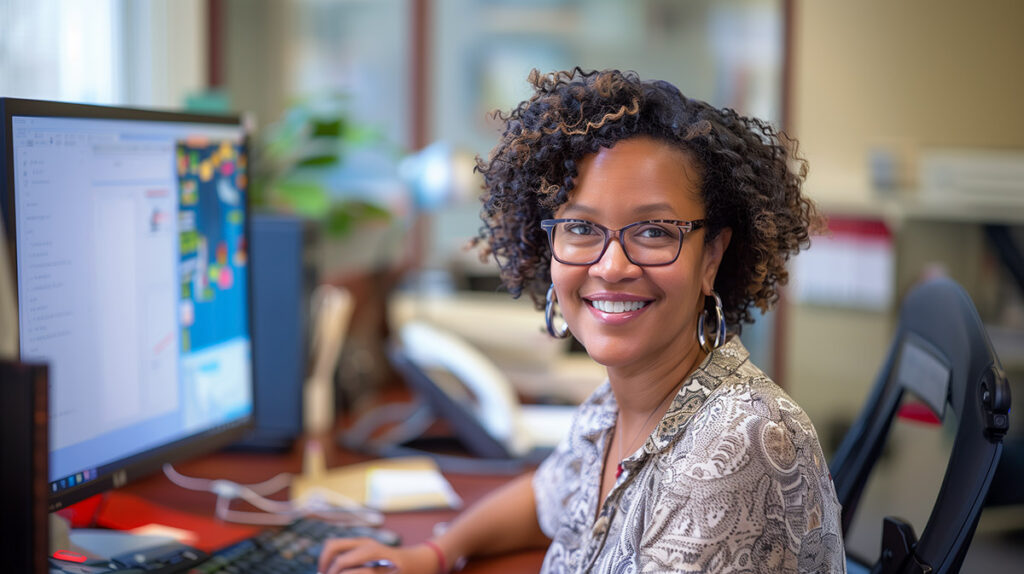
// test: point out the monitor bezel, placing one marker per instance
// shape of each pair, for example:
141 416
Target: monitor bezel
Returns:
131 468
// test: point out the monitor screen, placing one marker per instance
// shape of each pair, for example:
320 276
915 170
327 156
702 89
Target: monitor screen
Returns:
131 264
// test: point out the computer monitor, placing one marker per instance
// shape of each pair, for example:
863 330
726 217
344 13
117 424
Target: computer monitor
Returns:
129 234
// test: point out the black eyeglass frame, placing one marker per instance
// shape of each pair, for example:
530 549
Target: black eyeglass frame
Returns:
685 227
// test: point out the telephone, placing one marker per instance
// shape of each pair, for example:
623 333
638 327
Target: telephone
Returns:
463 386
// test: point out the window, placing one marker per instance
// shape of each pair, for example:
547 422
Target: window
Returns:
119 52
61 50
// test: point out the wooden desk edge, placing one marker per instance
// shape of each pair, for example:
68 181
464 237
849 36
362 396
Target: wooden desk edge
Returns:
252 467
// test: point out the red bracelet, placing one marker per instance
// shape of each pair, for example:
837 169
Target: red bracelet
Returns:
442 564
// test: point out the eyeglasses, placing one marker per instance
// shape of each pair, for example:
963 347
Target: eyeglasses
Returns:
648 243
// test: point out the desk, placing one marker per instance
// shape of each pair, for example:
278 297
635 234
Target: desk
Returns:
250 467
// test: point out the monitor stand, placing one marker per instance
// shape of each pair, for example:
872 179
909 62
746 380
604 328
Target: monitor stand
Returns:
97 550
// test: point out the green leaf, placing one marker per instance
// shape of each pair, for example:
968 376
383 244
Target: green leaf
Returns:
305 198
320 160
345 216
366 210
361 135
333 127
340 222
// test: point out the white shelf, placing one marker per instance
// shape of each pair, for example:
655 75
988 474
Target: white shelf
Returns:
909 205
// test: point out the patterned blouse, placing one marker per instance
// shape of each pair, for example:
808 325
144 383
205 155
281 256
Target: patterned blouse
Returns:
731 480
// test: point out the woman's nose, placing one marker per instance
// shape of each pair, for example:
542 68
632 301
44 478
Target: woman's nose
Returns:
614 265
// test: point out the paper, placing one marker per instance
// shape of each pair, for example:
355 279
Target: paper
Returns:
184 536
391 491
546 425
396 490
854 268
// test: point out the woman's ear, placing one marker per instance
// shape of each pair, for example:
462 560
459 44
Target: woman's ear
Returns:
713 252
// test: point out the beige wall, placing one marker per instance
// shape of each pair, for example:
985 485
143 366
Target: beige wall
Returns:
164 43
258 56
905 75
909 73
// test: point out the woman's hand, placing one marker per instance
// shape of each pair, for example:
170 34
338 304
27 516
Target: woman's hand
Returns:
347 554
503 521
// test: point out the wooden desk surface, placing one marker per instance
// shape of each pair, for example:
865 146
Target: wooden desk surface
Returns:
252 467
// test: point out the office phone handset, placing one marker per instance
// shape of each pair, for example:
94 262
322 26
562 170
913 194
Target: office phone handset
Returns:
490 404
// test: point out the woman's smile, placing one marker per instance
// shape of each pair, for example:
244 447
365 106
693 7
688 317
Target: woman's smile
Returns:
616 308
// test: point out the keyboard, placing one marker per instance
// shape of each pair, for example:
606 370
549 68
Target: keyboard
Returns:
294 549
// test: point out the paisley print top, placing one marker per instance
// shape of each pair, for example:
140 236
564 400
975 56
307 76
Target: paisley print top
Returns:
731 480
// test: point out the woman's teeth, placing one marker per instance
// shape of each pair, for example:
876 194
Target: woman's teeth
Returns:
618 306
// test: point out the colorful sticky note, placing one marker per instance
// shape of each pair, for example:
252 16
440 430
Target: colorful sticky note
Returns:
226 279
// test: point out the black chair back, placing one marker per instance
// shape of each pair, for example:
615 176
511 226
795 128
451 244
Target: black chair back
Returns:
941 353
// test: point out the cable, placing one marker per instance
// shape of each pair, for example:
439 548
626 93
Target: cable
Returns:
264 488
322 502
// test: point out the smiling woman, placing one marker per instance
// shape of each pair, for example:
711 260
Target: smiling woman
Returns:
655 222
638 299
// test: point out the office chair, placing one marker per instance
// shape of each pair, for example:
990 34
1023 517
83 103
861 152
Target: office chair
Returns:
942 354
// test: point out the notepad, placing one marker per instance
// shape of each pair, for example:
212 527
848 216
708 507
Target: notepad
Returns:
388 485
401 489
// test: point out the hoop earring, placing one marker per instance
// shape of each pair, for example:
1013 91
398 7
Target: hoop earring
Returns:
549 316
720 324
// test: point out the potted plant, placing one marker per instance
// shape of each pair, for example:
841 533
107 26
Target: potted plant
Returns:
319 165
341 177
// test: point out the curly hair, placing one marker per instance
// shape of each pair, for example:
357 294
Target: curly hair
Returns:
750 178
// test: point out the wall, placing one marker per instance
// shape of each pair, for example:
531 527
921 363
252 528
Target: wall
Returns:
113 52
727 52
257 56
903 75
164 51
912 73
